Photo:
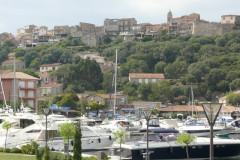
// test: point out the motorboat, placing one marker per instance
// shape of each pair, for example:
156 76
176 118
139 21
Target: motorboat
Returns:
201 128
91 141
163 145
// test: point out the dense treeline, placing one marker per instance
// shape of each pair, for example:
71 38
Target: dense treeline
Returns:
210 64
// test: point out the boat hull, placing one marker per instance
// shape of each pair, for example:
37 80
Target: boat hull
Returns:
195 152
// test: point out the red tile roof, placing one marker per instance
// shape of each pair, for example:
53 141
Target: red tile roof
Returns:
147 75
42 74
19 75
229 15
10 61
185 108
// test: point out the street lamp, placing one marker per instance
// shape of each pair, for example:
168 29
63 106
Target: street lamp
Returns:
147 114
211 111
46 112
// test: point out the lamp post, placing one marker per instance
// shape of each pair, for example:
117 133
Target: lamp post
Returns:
211 111
147 114
46 112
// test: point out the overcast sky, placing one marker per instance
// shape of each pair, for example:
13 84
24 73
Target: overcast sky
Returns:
15 14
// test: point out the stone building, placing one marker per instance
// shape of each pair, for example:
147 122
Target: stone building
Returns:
230 19
145 77
50 89
211 29
45 78
5 36
103 99
49 67
62 31
113 27
19 64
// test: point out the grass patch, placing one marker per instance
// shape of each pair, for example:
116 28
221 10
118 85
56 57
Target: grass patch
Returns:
14 156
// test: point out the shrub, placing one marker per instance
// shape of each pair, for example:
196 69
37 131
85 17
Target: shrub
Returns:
1 149
7 150
59 156
26 149
16 150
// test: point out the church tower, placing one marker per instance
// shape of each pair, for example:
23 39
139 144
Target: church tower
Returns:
169 16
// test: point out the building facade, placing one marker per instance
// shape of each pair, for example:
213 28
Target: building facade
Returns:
10 63
25 87
50 89
145 77
49 67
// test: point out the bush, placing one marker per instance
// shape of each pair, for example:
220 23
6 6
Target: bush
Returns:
27 149
59 156
16 150
7 150
1 149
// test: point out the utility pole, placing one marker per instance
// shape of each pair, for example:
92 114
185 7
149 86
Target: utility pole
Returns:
14 84
115 93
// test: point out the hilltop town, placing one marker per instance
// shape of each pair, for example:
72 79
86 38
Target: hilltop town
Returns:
127 28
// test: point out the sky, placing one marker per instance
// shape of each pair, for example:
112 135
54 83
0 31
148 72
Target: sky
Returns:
15 14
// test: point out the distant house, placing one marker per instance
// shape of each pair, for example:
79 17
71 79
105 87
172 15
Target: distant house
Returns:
145 77
49 67
19 64
45 78
50 89
226 110
121 100
26 87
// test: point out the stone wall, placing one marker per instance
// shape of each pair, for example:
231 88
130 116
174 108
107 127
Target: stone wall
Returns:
211 29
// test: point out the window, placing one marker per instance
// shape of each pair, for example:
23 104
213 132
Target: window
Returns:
22 93
30 102
30 84
22 84
30 94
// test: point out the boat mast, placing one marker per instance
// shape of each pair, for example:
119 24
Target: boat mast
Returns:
192 98
115 96
4 98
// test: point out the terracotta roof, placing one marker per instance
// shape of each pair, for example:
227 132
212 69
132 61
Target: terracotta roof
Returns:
107 96
147 75
19 75
10 61
53 64
42 74
186 108
181 108
50 85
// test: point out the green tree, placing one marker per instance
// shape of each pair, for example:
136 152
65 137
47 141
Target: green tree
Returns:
235 84
6 125
198 70
130 89
77 144
233 98
159 67
174 70
120 136
67 131
185 139
107 82
46 154
144 90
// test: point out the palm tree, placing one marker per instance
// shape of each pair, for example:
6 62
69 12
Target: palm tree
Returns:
6 125
185 138
120 136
